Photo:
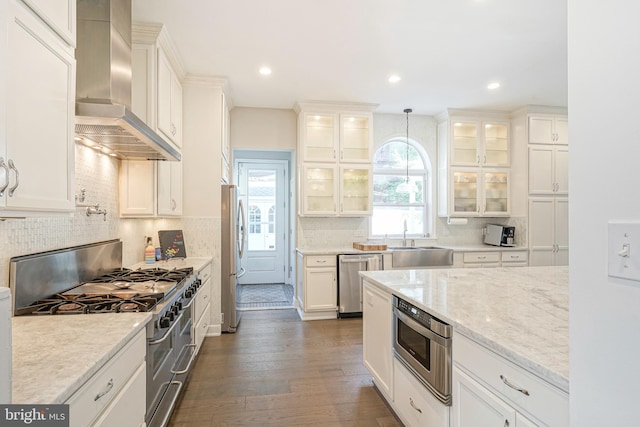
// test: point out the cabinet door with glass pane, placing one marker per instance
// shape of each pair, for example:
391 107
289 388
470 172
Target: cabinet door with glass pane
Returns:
465 187
355 190
496 144
495 185
465 142
319 189
355 138
319 137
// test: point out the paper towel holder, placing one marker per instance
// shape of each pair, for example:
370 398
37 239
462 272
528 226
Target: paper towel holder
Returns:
457 221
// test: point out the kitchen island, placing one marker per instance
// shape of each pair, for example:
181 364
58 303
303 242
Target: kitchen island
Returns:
517 317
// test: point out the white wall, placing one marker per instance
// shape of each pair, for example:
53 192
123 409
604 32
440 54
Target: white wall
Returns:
263 129
604 103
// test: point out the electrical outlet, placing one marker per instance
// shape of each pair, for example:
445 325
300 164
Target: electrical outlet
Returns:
358 233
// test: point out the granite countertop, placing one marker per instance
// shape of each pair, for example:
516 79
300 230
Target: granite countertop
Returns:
195 262
53 356
456 248
521 313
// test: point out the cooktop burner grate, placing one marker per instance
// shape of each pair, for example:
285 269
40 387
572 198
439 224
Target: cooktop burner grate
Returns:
83 304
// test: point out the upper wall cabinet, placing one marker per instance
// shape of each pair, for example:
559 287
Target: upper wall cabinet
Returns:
548 129
157 72
60 16
336 142
336 136
38 115
473 164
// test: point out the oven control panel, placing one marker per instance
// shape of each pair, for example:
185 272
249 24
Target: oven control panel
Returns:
422 317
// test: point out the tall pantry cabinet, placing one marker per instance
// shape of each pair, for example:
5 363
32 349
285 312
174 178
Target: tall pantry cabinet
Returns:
548 143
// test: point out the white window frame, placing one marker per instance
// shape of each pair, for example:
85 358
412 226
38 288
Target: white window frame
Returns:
428 189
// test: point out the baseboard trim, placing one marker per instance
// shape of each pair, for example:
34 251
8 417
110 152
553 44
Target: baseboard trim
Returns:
214 331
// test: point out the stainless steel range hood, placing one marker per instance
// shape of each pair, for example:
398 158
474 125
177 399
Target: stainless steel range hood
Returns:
103 84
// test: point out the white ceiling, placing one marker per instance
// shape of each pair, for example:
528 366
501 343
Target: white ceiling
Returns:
445 51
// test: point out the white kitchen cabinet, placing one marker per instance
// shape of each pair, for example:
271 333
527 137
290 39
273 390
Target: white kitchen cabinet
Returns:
156 75
415 405
488 389
317 287
60 15
475 192
226 130
202 308
548 231
514 259
169 188
329 190
481 259
336 137
115 395
548 129
548 170
169 99
335 168
39 117
376 339
473 165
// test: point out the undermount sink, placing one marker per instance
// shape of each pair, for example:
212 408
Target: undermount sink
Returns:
420 256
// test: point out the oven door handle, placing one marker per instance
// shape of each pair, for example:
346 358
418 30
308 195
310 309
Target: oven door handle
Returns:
428 333
191 359
165 420
168 333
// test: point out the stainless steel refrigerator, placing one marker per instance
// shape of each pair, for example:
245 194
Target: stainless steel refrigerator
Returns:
232 249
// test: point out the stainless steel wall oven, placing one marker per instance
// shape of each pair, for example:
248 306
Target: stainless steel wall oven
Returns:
423 344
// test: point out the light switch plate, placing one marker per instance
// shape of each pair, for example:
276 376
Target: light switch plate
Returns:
358 233
624 250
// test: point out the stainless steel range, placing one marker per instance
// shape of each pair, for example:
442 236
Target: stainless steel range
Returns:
90 279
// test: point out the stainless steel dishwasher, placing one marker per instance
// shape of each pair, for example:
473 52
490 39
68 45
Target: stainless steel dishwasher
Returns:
350 283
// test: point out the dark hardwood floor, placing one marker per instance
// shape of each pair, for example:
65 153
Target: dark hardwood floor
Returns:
279 371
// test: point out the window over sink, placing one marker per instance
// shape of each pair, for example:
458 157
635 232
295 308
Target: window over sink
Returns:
394 198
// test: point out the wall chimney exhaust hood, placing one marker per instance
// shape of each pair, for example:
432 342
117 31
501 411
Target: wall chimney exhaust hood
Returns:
103 85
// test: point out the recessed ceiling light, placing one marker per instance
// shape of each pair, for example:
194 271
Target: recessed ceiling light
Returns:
493 85
394 79
265 71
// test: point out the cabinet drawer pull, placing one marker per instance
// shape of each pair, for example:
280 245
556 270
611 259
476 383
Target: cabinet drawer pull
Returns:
15 169
506 423
521 390
482 257
107 390
321 261
3 165
413 405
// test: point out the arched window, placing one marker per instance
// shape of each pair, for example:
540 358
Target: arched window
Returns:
272 219
396 200
255 218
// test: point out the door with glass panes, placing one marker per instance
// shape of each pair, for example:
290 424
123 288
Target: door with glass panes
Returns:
262 188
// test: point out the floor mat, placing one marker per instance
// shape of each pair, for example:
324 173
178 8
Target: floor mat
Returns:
263 296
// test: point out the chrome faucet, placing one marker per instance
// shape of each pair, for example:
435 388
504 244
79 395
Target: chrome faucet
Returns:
404 234
95 210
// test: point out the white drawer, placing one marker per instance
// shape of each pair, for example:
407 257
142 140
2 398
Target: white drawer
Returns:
200 328
205 273
129 407
321 261
514 256
414 403
202 299
544 402
91 399
481 257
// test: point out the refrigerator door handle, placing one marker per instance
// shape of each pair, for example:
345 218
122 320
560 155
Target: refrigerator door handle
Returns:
240 235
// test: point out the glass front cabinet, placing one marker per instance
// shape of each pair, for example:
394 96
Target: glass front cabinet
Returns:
479 193
473 164
336 191
336 146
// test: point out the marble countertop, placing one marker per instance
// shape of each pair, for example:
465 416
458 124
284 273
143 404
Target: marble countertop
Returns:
521 313
55 355
195 262
457 248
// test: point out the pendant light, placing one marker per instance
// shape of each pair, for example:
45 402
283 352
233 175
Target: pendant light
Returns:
407 187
